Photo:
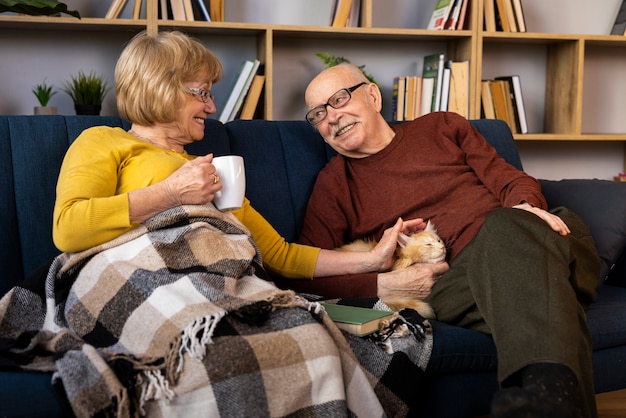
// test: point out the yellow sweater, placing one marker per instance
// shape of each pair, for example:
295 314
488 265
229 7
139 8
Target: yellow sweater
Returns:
104 164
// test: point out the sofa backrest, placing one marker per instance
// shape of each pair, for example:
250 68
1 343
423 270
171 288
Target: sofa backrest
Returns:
282 161
31 152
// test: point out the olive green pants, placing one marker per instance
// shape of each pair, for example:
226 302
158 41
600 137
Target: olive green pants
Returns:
528 287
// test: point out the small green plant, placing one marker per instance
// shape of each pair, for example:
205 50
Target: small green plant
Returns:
43 92
86 89
331 60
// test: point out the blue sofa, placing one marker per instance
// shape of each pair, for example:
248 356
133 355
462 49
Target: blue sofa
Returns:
282 159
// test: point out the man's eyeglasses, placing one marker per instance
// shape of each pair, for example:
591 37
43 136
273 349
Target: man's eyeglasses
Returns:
204 95
336 101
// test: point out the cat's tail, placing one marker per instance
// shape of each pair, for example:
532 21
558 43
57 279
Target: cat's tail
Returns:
397 303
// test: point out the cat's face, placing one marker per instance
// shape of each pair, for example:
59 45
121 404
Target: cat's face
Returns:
423 247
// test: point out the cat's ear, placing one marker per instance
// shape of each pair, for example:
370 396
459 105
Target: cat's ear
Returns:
403 240
430 227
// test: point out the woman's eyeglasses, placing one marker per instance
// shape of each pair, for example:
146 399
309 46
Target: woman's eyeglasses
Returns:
204 95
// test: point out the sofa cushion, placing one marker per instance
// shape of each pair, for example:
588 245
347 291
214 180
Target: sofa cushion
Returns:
286 156
602 205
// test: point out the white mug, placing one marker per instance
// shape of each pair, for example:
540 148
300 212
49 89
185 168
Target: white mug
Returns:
232 174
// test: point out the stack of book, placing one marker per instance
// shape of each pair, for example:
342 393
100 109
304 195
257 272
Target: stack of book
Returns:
449 14
501 98
443 86
504 15
192 10
244 93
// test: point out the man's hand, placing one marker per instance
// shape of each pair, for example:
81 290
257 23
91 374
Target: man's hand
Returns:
554 221
415 281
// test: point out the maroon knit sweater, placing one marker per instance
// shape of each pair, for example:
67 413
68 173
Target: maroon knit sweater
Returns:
437 167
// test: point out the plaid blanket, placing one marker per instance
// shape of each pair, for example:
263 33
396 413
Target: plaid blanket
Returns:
175 318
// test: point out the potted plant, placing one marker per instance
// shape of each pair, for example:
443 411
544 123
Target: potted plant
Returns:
87 91
36 7
44 92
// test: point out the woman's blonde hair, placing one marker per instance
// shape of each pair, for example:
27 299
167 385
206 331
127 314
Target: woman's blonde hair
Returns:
151 72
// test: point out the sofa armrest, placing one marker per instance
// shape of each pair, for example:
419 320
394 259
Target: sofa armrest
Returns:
602 205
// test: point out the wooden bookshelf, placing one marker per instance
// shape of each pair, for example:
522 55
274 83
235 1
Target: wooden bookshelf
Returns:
558 70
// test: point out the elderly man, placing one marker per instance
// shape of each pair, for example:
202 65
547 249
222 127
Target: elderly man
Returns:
518 272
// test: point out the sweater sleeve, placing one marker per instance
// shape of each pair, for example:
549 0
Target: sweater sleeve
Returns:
289 260
506 182
88 211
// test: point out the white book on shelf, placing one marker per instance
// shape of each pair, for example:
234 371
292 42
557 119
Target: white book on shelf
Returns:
235 91
445 89
440 15
428 86
244 90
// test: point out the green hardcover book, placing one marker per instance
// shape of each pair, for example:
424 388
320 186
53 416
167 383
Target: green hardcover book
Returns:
433 68
356 320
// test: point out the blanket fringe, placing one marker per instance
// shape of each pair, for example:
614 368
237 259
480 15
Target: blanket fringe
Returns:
196 336
154 386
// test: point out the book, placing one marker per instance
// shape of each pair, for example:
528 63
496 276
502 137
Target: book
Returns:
188 10
619 26
244 90
203 11
356 320
445 87
458 101
342 13
515 86
501 16
240 80
216 10
409 107
115 9
501 102
453 17
486 100
252 98
520 20
510 15
489 15
433 68
399 91
440 15
178 9
462 15
354 20
428 87
165 10
417 97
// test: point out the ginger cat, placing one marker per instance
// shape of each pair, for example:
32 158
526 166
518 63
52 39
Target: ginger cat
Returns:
423 247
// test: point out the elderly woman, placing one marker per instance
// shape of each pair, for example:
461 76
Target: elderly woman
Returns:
159 304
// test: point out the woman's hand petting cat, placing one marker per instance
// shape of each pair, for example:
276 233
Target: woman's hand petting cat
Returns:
556 223
382 255
415 281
